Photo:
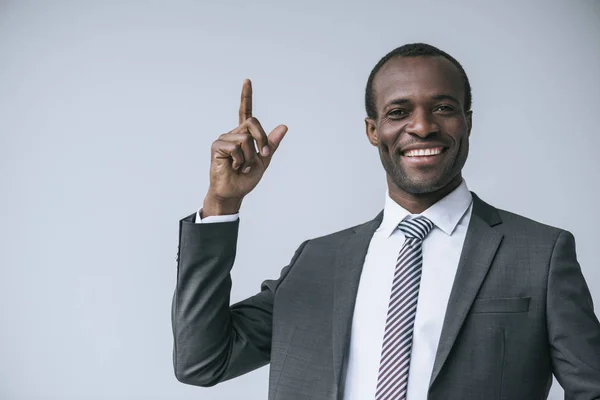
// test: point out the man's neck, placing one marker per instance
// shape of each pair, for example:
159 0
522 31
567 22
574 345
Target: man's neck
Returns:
417 203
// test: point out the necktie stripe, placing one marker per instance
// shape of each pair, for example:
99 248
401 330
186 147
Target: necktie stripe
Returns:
399 299
395 375
397 330
400 284
392 384
404 307
401 305
404 334
408 286
397 368
405 260
401 332
398 392
400 341
394 370
408 263
412 264
413 231
394 365
422 227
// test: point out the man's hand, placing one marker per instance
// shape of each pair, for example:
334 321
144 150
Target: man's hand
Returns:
236 167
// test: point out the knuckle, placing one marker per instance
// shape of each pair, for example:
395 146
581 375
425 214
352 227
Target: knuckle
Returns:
253 121
248 138
236 147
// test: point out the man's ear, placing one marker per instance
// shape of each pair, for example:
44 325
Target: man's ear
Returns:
371 130
469 122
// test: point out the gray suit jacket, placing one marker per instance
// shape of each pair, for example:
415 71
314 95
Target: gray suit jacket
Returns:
519 311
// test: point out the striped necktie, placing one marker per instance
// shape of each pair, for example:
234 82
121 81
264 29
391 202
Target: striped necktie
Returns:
392 380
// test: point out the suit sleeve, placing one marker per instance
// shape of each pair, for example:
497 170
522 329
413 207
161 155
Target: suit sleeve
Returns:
214 341
573 328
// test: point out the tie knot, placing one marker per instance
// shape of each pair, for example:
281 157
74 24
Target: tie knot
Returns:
416 228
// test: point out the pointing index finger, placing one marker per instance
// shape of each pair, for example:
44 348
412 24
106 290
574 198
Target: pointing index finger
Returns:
246 101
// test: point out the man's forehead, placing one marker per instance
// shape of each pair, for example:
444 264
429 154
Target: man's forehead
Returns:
422 75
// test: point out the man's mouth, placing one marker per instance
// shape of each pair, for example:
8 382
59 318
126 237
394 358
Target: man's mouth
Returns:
426 152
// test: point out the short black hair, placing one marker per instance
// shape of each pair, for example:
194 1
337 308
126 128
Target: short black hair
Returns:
412 50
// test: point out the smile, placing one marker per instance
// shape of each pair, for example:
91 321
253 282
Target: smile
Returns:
434 151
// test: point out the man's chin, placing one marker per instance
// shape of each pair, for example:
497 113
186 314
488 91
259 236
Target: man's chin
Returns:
422 186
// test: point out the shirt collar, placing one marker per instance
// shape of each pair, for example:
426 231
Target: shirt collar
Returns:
445 214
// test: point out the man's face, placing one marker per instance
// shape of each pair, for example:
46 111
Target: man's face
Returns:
421 130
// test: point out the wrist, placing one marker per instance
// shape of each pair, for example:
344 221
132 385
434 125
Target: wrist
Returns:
215 205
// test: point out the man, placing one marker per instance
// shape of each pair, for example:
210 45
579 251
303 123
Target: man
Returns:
441 296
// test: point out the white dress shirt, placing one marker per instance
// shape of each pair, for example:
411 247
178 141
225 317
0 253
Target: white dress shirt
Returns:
441 252
215 218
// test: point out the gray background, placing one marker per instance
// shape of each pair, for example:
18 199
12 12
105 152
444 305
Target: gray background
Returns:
108 110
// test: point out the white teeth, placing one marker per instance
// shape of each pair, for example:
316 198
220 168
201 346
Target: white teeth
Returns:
423 152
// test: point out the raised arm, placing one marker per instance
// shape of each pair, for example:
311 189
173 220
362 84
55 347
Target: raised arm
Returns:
214 341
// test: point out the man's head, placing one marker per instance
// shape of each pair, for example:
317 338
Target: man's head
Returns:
418 102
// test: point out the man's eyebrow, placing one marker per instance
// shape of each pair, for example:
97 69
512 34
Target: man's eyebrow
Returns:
397 102
445 97
401 101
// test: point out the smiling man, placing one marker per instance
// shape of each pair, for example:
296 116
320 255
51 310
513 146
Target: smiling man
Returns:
440 296
428 99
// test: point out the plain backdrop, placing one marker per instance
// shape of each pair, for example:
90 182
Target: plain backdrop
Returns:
108 110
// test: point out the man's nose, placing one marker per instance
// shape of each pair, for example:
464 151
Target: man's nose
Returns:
422 123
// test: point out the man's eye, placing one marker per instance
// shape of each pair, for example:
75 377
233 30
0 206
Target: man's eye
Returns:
397 112
444 108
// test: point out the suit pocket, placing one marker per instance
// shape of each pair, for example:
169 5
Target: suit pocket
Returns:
501 305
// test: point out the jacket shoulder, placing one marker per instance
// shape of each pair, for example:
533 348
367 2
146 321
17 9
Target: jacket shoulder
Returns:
525 226
514 219
344 233
513 223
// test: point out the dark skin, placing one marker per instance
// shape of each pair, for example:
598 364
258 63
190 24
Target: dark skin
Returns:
421 129
419 103
239 159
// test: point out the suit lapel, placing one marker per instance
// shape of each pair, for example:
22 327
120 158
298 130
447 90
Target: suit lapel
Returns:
479 249
348 266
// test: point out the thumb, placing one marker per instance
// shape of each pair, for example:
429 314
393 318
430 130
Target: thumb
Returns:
276 136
